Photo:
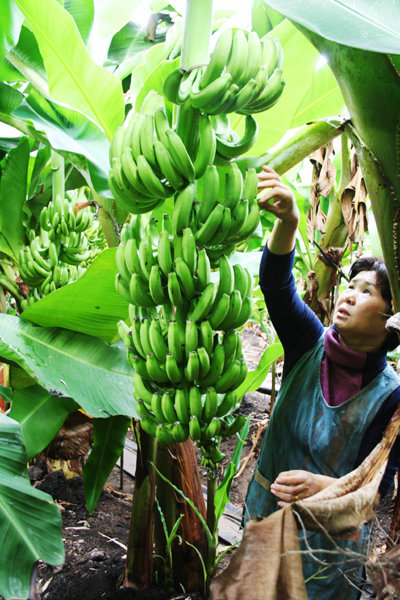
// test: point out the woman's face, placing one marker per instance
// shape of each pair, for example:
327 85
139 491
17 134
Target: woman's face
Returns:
358 315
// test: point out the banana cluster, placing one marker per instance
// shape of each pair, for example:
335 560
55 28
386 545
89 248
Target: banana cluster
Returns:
149 161
59 253
184 378
243 76
227 211
164 269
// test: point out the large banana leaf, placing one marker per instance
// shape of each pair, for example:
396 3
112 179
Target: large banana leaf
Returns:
30 522
74 77
77 138
309 94
108 443
358 23
91 305
11 20
40 416
93 373
82 12
13 186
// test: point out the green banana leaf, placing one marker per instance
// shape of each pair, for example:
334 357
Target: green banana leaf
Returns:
108 443
73 135
74 77
110 16
40 416
11 20
26 57
255 378
222 494
13 184
93 373
10 98
25 514
309 94
372 26
90 305
82 12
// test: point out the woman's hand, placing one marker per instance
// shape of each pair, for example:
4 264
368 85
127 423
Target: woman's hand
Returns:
294 485
283 203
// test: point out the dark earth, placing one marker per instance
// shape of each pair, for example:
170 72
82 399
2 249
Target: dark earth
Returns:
95 545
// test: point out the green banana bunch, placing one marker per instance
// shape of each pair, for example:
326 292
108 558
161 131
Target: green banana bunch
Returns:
149 161
67 242
243 75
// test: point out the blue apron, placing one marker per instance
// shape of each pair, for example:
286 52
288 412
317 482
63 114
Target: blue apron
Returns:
306 433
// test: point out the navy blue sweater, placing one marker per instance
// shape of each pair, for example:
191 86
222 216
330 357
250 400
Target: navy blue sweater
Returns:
299 329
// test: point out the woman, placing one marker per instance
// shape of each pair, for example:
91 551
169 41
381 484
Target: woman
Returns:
337 393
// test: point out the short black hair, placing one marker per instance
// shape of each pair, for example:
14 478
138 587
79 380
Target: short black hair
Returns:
373 263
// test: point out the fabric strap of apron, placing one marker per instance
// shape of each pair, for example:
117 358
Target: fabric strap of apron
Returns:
261 480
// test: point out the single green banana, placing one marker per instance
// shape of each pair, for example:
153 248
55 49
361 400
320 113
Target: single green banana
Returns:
269 95
201 308
250 184
195 403
138 292
121 264
183 162
116 143
226 277
156 399
154 369
235 307
210 193
146 258
239 216
251 222
203 269
168 408
164 255
183 208
219 311
227 404
194 428
192 368
137 344
176 339
228 379
149 426
174 372
206 148
245 312
139 365
144 335
213 428
189 250
150 179
131 172
185 277
172 84
167 167
157 342
271 54
181 404
140 389
207 230
174 289
210 405
218 59
207 337
146 141
217 367
164 434
254 54
229 150
216 89
191 337
240 279
156 287
234 426
122 287
161 124
180 432
233 186
224 227
237 61
205 362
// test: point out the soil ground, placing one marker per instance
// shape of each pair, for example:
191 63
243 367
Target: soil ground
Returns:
95 545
